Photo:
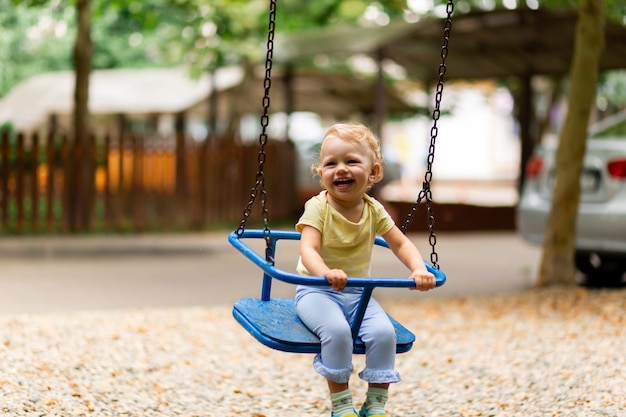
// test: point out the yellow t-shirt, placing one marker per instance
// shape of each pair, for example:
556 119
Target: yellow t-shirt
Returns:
345 245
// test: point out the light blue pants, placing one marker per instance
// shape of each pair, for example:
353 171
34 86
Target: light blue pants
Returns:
327 313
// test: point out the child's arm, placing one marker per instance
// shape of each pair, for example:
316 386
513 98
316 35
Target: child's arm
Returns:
310 244
410 256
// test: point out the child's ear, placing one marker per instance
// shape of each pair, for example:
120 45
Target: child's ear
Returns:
376 171
318 174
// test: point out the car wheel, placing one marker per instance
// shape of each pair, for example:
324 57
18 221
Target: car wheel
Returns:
601 269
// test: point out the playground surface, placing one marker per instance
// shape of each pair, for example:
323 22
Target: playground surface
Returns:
142 326
540 353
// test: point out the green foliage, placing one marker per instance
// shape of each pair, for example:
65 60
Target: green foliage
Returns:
31 41
156 33
613 89
7 127
133 34
38 35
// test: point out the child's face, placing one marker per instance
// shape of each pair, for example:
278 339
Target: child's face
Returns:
347 168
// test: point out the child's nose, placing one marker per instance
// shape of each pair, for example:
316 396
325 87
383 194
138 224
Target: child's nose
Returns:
342 166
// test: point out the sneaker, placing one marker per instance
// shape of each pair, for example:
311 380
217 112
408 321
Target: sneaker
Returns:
364 413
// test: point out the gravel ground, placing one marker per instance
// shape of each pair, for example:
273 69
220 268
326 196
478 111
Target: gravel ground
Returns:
553 352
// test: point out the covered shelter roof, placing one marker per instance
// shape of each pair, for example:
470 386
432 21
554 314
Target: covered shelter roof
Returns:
120 91
171 90
490 44
324 93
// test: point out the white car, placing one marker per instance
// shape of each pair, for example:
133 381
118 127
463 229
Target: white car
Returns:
601 223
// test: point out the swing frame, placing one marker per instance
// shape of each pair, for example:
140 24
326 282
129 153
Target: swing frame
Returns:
274 321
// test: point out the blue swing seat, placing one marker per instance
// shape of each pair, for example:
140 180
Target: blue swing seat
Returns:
274 322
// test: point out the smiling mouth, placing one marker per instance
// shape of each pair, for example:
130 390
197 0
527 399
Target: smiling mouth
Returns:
343 182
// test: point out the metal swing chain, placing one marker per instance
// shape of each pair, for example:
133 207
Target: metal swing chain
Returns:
426 193
259 186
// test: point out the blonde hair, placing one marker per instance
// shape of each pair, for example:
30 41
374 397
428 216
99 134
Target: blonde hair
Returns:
354 132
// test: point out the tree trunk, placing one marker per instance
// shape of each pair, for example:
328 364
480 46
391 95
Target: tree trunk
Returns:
557 262
80 195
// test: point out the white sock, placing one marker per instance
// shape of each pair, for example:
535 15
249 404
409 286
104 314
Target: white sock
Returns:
375 402
342 403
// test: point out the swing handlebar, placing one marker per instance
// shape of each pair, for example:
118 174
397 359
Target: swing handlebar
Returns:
292 278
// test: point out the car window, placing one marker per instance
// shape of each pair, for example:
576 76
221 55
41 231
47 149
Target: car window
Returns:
615 131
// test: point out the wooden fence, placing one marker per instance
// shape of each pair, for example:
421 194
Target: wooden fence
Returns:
137 183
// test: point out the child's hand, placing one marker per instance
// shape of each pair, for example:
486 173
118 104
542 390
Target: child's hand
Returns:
337 279
424 280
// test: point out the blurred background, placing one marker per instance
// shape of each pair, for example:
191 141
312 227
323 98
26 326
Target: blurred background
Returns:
133 116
